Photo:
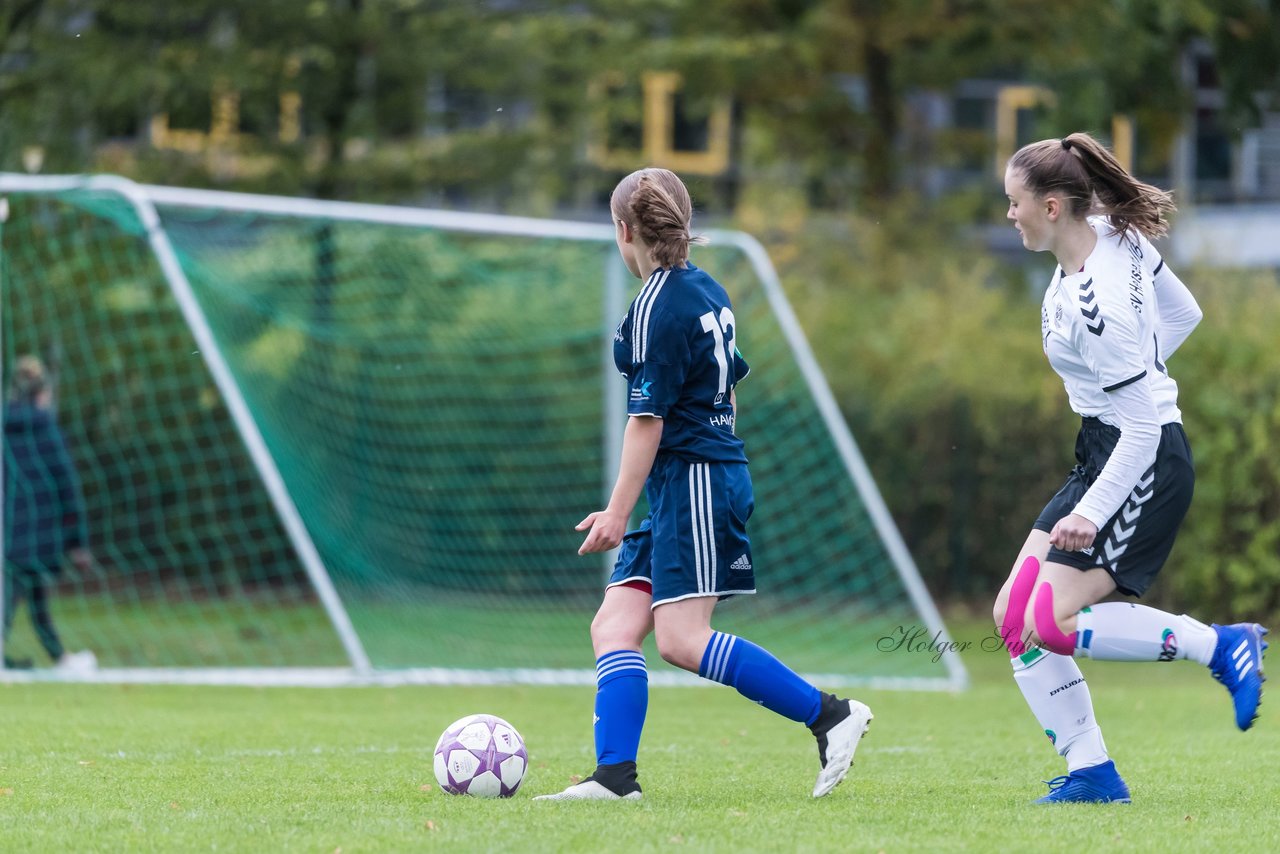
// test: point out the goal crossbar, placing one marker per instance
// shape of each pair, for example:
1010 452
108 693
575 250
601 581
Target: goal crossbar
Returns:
145 200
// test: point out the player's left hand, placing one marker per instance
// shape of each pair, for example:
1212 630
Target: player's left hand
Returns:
1073 533
606 532
82 558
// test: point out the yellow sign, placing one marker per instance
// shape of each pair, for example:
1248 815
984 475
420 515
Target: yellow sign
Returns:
660 90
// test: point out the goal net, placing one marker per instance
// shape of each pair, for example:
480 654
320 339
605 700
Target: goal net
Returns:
327 443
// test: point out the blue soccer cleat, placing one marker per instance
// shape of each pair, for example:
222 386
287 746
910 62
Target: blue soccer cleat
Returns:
1097 784
1237 664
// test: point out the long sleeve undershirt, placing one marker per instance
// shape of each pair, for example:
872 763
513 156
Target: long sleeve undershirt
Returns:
1179 312
1133 455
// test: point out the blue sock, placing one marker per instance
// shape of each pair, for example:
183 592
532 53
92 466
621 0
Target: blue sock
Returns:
759 676
622 698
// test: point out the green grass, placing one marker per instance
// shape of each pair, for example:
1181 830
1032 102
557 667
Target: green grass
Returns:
128 768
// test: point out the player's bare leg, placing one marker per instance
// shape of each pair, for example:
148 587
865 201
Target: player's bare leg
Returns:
620 626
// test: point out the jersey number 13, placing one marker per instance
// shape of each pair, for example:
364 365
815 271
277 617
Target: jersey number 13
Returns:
720 328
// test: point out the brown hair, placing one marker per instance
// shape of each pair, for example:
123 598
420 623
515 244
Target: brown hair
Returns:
656 205
28 380
1091 180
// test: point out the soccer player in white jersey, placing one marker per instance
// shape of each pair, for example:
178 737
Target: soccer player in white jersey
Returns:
1113 315
676 349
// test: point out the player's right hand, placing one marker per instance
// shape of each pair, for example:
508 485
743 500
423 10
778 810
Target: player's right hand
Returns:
606 532
1073 533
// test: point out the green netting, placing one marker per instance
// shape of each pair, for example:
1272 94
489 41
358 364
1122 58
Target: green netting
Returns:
435 404
192 565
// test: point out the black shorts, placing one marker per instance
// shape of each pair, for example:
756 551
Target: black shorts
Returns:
1134 543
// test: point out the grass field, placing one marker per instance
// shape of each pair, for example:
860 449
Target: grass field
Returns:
140 768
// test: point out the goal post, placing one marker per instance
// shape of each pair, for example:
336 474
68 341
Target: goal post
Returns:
335 443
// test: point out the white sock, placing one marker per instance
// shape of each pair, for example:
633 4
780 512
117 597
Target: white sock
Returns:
1121 631
1056 691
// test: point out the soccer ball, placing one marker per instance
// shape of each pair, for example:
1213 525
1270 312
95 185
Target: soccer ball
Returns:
481 755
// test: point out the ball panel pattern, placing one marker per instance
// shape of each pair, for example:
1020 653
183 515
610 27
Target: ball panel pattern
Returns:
481 755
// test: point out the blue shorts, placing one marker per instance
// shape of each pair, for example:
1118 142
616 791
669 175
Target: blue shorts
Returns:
694 540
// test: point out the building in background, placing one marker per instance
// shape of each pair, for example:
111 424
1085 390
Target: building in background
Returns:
1226 178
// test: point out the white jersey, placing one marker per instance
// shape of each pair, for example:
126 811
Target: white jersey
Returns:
1107 330
1101 326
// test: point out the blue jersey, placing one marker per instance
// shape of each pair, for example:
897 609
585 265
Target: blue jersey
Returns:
677 349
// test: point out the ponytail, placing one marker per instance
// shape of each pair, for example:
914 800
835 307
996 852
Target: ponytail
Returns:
656 205
1091 180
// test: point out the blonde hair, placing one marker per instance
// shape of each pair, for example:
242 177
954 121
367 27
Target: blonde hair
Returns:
1091 180
29 379
656 205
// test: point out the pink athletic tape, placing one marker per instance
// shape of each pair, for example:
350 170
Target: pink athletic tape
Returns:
1015 614
1051 637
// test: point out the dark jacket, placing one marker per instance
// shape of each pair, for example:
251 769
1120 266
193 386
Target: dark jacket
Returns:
43 507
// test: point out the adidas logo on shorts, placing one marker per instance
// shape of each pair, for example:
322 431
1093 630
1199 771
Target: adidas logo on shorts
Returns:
742 564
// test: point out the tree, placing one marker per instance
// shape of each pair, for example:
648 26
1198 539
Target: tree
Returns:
490 99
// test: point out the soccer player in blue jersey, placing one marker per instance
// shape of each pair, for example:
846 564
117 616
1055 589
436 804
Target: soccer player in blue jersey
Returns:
1113 315
676 349
44 517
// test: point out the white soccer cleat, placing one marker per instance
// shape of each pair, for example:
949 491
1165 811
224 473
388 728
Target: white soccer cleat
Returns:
841 742
83 661
589 790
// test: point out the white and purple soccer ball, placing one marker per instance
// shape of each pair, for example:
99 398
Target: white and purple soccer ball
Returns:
481 755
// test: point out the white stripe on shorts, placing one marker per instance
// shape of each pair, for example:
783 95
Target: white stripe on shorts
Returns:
710 523
702 525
